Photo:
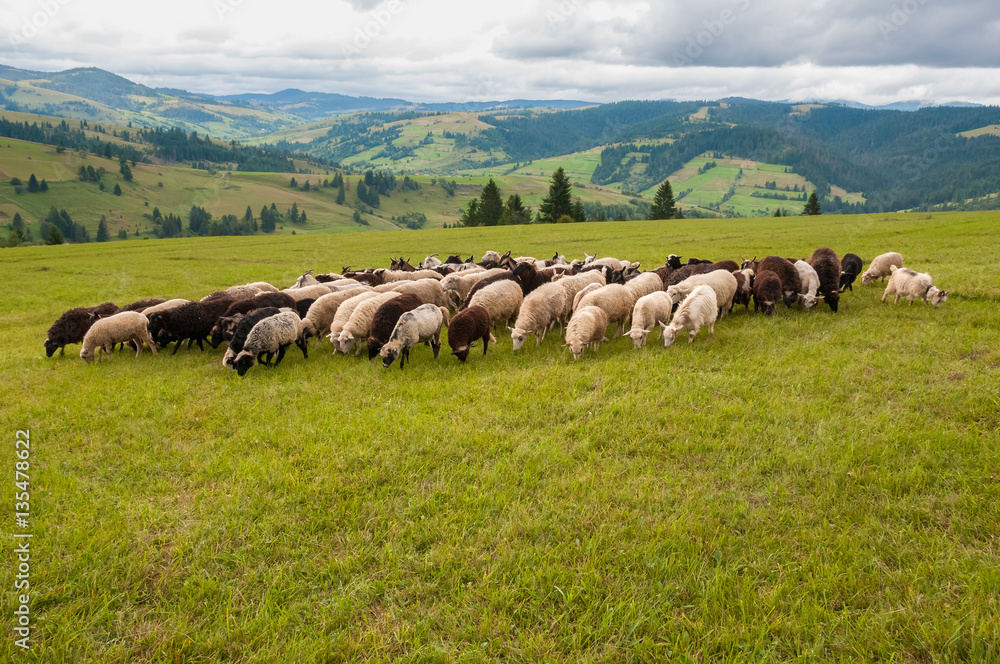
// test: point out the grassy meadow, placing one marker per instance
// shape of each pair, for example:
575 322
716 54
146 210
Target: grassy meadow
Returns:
808 487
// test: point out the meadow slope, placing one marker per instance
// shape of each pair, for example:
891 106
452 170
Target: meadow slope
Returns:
810 487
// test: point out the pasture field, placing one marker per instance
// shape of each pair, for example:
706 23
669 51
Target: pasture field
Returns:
812 486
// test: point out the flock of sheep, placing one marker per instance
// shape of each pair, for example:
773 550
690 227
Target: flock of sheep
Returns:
390 311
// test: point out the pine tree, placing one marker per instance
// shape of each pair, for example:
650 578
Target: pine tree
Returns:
777 213
293 214
118 190
470 216
559 202
579 213
55 236
490 204
664 206
33 184
43 186
514 211
341 193
248 215
812 205
125 170
102 230
293 184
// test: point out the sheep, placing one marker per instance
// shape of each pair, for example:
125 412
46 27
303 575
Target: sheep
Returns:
431 262
791 284
422 324
385 318
322 311
192 321
586 290
827 267
502 300
617 303
810 283
241 292
72 326
359 325
263 287
457 286
490 257
142 305
531 277
744 287
613 263
766 292
429 290
466 327
224 327
573 285
163 306
880 267
244 324
912 285
586 329
649 311
127 326
698 310
271 335
307 279
402 275
302 307
850 268
539 313
674 262
724 284
315 291
504 275
343 314
727 265
686 271
644 284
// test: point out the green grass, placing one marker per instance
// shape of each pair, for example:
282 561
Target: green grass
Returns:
809 487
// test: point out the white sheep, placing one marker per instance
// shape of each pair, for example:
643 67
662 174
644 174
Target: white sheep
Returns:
810 283
501 299
402 275
616 301
119 328
491 256
881 267
314 292
577 282
913 285
699 309
420 325
343 315
359 325
650 311
583 292
586 329
163 306
457 286
272 335
430 262
540 312
722 283
321 312
644 284
263 287
429 291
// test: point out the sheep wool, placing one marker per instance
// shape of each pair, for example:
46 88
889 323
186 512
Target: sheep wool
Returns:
810 283
502 300
616 301
343 315
119 328
420 325
322 312
650 311
272 335
469 325
540 312
72 326
913 285
586 330
881 267
722 282
359 325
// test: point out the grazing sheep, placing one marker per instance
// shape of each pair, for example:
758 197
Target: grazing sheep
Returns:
586 330
674 262
263 287
163 306
810 283
744 287
530 277
359 325
850 267
728 266
505 275
791 284
428 290
72 326
402 275
192 321
766 292
650 310
466 327
827 267
724 284
686 271
124 327
880 267
240 292
421 325
343 314
224 327
457 286
243 326
573 285
665 272
322 311
586 290
502 300
644 284
271 335
616 301
302 307
315 292
385 319
913 285
540 312
698 310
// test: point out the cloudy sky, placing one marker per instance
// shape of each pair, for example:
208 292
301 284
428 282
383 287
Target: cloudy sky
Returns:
872 51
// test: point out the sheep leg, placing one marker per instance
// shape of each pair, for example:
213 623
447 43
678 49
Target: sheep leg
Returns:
404 357
304 347
62 351
691 335
191 343
711 327
264 357
138 347
486 341
281 354
177 347
200 346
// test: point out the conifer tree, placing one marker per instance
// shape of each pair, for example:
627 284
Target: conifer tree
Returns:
664 206
559 202
812 205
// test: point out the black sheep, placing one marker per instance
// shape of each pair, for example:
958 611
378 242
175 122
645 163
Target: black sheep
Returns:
192 321
850 267
71 327
665 271
766 292
728 266
385 318
791 282
143 304
223 329
531 278
686 271
302 306
243 328
466 327
827 267
674 261
483 283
